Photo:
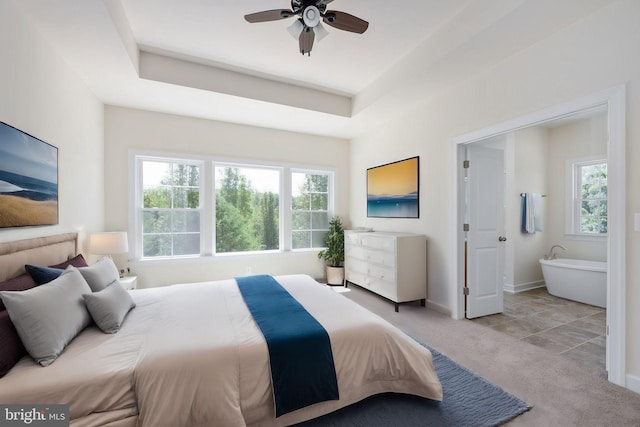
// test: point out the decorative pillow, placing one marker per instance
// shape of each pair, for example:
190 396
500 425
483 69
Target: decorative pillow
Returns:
109 307
43 275
12 348
100 274
45 328
20 283
77 261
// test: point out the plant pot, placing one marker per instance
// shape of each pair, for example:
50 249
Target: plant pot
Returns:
335 276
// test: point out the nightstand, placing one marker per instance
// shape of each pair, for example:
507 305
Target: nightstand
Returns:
129 283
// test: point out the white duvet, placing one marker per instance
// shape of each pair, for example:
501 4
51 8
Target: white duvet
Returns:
191 355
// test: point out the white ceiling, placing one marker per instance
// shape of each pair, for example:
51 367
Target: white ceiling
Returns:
204 60
345 62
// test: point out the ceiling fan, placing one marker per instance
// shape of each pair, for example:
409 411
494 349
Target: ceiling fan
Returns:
310 12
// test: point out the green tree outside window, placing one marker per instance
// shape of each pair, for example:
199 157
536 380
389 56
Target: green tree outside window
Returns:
593 198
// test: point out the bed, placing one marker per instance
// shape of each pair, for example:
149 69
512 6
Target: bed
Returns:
192 355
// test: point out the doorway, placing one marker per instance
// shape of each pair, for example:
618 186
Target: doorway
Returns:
614 102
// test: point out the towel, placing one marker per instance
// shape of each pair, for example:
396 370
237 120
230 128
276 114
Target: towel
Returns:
531 213
528 225
537 211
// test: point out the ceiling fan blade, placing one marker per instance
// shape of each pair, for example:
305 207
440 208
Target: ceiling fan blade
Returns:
268 15
345 21
306 40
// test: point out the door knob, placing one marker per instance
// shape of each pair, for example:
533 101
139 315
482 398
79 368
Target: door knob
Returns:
502 239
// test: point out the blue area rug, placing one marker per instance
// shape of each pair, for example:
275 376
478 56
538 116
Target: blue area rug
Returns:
469 401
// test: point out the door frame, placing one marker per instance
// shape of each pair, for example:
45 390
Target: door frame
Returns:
615 101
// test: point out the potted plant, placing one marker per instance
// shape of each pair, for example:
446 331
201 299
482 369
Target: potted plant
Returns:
333 253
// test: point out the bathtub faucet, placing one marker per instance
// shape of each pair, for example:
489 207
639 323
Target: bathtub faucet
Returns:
551 255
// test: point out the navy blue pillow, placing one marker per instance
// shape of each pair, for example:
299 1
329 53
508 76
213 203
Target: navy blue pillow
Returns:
42 275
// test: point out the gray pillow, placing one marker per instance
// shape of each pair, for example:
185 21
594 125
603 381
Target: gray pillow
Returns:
109 307
48 317
100 274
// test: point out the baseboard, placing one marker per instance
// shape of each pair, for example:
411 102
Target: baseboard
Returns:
521 287
438 307
633 383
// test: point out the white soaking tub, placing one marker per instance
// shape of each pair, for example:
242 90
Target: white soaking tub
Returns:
575 279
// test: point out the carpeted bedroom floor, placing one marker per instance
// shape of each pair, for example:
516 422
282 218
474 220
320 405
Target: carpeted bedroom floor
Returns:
561 391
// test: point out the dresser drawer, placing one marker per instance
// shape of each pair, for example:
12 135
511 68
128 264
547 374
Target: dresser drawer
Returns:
357 265
379 257
383 287
371 256
355 252
355 277
377 272
385 244
352 239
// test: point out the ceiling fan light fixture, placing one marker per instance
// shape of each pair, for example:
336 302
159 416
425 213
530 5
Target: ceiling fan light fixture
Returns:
321 32
295 28
311 16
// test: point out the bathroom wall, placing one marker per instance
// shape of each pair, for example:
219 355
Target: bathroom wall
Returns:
583 138
535 161
527 171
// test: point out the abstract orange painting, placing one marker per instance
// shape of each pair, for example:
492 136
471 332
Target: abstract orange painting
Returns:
393 189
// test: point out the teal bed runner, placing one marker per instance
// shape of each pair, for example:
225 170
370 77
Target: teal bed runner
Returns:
302 367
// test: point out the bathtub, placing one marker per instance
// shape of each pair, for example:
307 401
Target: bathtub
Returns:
577 280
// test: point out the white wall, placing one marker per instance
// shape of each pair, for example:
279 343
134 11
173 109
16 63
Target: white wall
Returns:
584 138
42 96
596 53
129 129
529 176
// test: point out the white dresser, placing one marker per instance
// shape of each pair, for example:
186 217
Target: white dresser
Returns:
393 265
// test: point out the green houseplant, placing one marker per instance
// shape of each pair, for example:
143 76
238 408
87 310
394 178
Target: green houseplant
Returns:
333 253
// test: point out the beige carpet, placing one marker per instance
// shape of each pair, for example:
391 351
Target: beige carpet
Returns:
561 391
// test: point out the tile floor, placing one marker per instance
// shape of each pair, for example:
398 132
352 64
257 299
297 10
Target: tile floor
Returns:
570 328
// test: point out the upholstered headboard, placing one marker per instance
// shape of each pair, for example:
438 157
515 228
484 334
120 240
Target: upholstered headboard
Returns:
47 250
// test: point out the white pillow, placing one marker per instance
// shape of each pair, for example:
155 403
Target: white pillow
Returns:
48 317
100 274
109 307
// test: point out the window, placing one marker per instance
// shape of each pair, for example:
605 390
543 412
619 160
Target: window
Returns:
589 189
247 209
194 207
170 208
310 209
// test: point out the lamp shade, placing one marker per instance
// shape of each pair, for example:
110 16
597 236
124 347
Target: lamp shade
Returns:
115 242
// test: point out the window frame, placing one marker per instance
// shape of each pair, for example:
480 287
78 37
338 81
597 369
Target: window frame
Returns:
207 200
330 202
574 200
139 208
234 164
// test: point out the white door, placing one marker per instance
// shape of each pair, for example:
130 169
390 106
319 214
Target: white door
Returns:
485 238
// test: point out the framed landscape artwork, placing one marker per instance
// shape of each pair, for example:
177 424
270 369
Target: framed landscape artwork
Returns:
28 180
393 189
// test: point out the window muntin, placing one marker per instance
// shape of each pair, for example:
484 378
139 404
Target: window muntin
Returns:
247 214
171 208
591 198
310 209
